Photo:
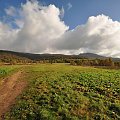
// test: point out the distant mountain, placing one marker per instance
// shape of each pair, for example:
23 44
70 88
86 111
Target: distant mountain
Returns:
91 55
96 56
29 56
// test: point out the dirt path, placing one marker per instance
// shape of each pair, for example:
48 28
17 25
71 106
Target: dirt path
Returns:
9 90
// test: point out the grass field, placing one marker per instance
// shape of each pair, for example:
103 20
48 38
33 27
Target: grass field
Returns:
7 70
64 92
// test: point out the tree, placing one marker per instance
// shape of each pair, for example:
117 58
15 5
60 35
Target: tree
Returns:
72 62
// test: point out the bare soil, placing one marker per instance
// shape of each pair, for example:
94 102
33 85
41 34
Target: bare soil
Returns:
9 90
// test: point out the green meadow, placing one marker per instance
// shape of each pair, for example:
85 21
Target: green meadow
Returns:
5 71
66 92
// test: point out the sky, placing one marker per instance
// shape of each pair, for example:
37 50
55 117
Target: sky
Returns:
60 26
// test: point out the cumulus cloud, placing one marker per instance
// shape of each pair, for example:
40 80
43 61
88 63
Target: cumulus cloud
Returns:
99 35
41 26
38 25
7 36
41 29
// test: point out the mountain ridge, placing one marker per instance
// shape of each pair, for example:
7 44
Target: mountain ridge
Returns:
32 56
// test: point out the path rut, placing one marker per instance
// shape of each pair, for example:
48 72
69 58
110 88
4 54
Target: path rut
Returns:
9 90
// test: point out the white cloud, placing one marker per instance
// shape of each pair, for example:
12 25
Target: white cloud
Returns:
10 11
99 35
40 29
7 36
69 5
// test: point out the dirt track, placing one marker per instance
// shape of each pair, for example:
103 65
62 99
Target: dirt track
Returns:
9 90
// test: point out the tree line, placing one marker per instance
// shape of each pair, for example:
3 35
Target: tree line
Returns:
95 62
14 59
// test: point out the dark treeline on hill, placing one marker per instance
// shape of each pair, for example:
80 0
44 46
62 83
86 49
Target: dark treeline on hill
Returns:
9 58
85 59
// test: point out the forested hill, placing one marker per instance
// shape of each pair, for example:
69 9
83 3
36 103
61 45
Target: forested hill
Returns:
12 57
6 56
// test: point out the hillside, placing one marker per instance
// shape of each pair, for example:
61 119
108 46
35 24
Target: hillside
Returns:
6 56
12 57
91 55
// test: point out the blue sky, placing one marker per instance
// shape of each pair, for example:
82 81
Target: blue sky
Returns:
80 11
